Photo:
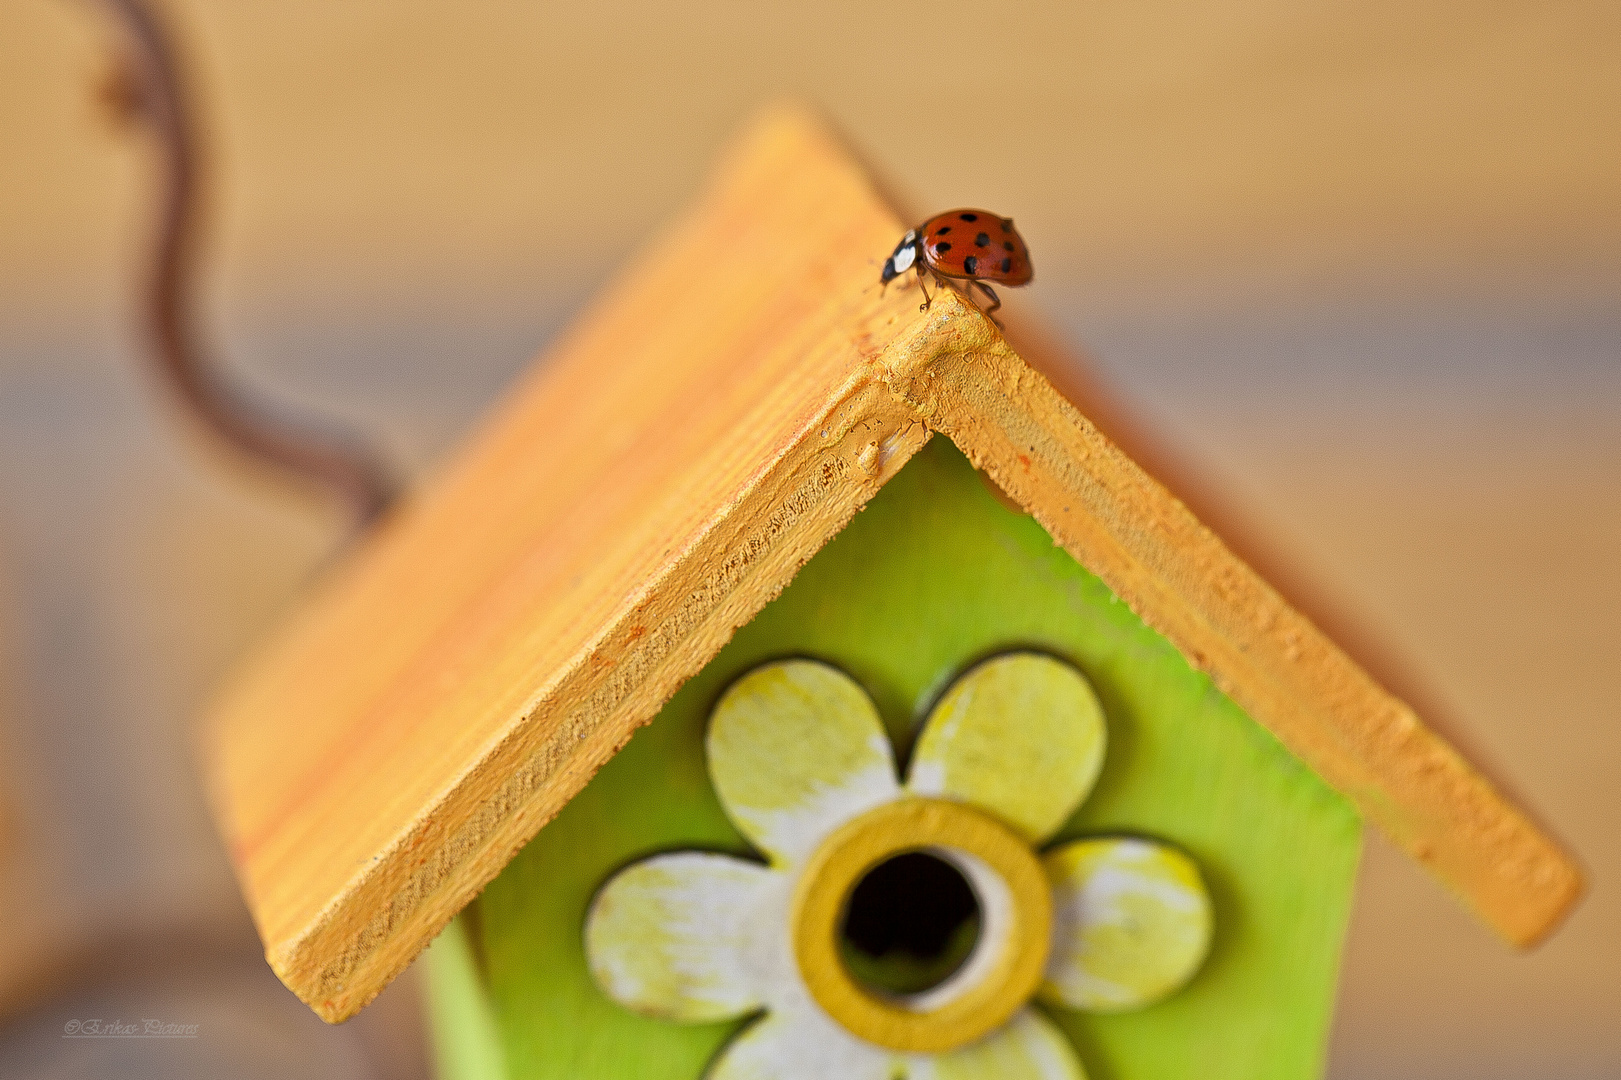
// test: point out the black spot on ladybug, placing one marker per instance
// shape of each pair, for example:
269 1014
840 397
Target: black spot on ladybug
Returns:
1007 245
969 217
1007 264
971 264
940 248
1007 224
982 239
942 230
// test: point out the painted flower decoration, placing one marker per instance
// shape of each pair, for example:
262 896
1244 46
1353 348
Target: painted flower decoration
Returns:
803 766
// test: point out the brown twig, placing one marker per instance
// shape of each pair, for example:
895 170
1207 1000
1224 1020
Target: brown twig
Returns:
150 87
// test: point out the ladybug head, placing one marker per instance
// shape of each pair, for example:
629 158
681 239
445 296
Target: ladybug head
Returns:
901 260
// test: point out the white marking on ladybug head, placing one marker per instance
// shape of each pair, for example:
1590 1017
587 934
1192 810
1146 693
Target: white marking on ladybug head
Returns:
901 260
905 254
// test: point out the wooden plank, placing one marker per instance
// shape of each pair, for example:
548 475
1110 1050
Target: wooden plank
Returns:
707 427
680 454
1191 485
1123 526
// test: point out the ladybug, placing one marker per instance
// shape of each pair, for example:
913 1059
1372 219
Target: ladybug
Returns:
976 246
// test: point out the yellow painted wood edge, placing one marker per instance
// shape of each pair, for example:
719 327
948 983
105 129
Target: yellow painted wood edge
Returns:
967 383
659 638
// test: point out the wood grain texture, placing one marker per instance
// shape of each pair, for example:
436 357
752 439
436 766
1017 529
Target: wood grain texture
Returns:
1178 576
707 427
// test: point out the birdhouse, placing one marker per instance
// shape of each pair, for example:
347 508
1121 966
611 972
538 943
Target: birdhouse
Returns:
788 682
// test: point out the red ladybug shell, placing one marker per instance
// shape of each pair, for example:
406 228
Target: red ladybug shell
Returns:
975 244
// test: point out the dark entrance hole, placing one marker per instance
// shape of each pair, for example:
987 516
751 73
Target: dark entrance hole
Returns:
910 923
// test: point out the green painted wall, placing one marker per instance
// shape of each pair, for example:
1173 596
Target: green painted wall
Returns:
934 574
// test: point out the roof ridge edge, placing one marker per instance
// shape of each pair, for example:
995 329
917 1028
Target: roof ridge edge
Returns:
966 382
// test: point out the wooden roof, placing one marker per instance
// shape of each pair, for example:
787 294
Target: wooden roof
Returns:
715 419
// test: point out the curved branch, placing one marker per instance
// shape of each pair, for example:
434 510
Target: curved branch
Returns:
335 462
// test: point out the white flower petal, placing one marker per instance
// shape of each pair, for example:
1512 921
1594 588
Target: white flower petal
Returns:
670 936
1029 1047
1131 923
800 1045
1021 736
796 749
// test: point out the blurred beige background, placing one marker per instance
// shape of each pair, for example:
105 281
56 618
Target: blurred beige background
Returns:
1361 263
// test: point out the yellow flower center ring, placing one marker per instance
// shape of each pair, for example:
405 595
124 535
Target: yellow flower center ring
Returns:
999 976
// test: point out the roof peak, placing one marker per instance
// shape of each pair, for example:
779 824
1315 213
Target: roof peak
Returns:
717 416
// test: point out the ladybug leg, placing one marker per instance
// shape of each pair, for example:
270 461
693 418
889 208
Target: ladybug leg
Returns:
922 283
996 301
